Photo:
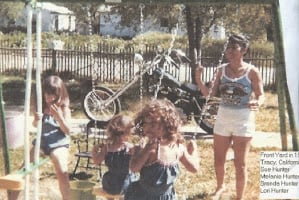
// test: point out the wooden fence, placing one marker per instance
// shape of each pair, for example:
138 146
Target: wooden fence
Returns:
111 64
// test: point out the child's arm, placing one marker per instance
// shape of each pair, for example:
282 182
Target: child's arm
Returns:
141 156
62 116
190 158
98 153
36 119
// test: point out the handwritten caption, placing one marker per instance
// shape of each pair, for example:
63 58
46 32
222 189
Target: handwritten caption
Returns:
279 174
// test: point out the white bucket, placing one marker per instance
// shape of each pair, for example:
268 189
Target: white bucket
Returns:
14 122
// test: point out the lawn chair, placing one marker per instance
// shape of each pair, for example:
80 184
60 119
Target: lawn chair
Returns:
94 134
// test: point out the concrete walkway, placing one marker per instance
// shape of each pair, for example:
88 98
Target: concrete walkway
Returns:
269 139
260 139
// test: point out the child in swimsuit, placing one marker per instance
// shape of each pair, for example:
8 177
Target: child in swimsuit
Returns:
116 154
158 161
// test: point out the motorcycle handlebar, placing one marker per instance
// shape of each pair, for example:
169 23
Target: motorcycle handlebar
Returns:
165 58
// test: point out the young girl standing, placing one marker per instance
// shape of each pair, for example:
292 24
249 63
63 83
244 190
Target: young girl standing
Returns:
116 154
55 130
158 161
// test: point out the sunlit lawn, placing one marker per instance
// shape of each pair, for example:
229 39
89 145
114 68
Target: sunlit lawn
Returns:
193 186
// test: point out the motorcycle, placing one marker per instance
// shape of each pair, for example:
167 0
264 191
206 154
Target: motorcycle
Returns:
102 103
188 99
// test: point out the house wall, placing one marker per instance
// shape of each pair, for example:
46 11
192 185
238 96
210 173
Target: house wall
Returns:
66 21
110 25
48 21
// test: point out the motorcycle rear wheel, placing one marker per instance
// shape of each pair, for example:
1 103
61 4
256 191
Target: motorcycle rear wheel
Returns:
207 119
94 108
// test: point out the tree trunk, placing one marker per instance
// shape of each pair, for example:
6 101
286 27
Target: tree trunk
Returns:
195 34
198 34
192 41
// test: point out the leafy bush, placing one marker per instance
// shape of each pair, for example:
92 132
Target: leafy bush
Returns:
13 90
265 49
152 39
215 47
161 39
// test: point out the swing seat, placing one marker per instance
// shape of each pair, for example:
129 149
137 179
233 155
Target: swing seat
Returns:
98 191
12 182
15 181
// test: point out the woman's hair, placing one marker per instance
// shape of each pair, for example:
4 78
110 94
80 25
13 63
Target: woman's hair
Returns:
55 86
118 126
165 113
239 39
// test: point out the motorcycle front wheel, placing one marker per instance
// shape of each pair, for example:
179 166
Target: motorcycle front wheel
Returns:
96 107
207 118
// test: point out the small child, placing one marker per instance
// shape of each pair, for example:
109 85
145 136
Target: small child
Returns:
116 155
158 161
55 139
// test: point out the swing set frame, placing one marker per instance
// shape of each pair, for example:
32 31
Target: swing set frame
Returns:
284 100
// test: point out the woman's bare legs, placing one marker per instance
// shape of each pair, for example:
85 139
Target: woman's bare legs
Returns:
241 147
221 146
59 158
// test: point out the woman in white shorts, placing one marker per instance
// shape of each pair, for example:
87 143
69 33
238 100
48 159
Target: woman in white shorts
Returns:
240 87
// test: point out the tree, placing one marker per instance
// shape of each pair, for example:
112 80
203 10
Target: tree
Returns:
9 12
234 17
82 11
131 14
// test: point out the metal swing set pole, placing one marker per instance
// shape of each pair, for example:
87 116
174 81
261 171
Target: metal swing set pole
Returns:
27 97
30 5
15 181
11 181
38 100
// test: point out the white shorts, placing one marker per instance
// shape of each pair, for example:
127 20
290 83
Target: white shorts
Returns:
235 122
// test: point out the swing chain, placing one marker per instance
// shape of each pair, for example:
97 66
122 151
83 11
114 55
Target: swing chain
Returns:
141 46
95 69
174 33
158 85
204 108
92 60
141 6
181 18
175 30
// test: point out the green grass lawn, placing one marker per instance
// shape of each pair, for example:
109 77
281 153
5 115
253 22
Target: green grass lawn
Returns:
14 94
194 186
